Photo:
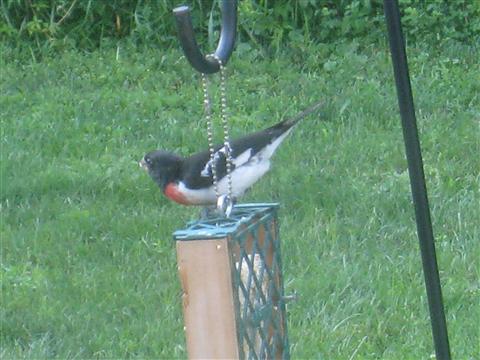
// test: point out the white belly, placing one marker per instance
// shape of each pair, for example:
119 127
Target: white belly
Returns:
243 177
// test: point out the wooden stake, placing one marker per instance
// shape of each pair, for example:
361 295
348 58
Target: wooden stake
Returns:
208 305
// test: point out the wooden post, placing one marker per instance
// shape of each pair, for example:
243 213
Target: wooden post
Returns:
208 305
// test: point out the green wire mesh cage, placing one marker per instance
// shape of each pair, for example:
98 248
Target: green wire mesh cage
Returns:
254 283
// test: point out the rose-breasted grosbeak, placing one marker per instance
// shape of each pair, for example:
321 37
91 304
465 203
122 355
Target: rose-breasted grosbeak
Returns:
189 180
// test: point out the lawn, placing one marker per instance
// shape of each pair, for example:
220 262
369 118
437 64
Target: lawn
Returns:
88 265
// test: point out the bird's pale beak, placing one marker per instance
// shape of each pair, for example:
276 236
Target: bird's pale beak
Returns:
143 164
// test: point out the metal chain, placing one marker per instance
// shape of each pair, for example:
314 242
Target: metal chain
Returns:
208 115
224 204
226 135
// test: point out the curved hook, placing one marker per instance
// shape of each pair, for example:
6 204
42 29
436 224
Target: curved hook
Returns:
207 65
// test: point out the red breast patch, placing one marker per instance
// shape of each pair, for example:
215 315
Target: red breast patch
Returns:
173 193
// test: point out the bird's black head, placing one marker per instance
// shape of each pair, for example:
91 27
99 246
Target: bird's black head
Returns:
162 166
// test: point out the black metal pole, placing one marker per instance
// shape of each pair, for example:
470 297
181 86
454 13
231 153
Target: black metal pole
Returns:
417 180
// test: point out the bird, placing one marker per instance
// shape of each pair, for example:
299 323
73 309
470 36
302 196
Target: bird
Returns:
190 180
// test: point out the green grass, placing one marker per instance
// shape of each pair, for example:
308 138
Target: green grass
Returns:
88 266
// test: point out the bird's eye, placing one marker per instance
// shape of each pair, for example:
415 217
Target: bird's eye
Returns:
148 160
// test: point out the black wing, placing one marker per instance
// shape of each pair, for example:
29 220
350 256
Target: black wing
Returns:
197 170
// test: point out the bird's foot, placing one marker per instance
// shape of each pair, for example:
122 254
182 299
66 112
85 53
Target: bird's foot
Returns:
208 212
223 209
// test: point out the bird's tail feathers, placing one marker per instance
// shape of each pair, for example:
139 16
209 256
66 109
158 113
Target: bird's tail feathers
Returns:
292 121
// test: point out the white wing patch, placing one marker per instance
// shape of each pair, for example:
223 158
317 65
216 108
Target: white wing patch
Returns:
206 170
237 161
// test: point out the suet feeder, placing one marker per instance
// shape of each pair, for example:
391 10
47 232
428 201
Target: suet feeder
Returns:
231 275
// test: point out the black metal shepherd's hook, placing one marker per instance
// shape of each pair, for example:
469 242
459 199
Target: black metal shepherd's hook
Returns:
207 65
